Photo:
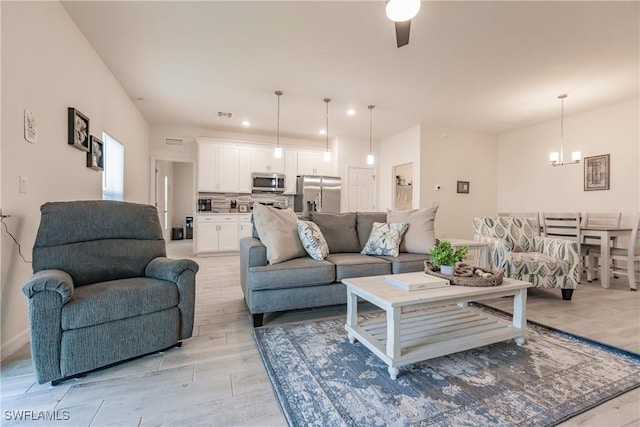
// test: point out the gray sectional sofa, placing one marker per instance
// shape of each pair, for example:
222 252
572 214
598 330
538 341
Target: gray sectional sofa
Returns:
304 282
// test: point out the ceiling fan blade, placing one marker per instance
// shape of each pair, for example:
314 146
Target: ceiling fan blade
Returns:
402 32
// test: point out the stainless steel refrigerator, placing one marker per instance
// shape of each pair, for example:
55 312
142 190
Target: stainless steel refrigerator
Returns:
317 193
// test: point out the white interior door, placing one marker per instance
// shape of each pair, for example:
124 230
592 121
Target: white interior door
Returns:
162 196
362 189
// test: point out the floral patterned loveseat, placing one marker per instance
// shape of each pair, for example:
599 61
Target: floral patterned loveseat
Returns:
545 262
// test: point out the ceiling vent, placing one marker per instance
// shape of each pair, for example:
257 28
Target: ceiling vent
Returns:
173 142
224 114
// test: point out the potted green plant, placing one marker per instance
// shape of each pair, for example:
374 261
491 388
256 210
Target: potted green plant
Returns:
443 255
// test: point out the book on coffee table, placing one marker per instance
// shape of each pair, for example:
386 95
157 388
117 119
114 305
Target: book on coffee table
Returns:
416 281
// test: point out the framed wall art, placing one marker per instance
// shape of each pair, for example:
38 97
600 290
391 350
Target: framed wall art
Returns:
597 173
463 187
78 129
95 156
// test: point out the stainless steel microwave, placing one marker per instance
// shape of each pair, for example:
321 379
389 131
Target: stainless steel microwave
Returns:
267 182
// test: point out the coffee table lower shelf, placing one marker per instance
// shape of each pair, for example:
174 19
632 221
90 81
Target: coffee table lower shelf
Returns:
433 333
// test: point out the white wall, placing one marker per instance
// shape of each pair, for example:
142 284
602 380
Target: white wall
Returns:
452 155
527 182
395 150
47 66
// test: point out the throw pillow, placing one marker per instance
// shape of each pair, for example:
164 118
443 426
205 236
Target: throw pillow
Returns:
339 229
312 240
278 231
364 223
385 239
420 236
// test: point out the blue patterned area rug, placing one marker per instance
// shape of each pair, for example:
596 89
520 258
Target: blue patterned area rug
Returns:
320 379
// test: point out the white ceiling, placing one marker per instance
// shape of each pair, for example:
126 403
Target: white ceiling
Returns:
486 66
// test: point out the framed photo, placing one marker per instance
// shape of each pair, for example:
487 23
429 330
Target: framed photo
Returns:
78 129
597 173
95 156
463 187
243 207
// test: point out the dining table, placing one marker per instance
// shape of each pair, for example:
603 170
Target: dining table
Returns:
605 234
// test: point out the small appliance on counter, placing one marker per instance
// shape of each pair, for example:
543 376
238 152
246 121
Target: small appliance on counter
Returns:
233 206
204 205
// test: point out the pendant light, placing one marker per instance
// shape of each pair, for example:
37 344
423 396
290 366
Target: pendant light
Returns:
327 154
557 158
277 152
370 158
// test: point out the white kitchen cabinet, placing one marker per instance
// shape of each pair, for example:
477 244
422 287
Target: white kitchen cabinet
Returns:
244 170
263 160
207 167
217 233
290 171
245 227
312 163
217 168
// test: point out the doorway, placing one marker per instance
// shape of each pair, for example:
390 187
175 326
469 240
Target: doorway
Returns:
362 189
173 194
403 186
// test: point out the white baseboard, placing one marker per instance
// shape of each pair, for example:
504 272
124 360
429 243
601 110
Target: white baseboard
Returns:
14 344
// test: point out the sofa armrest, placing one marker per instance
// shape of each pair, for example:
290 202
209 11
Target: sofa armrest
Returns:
47 291
252 254
182 272
169 269
499 252
50 280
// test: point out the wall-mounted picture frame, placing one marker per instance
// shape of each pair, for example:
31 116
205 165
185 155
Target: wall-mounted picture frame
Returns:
597 173
463 187
243 207
78 129
95 156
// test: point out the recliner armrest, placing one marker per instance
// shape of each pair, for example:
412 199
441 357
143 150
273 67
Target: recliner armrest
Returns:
50 280
169 269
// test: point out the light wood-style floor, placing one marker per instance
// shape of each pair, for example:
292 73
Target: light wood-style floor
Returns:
217 377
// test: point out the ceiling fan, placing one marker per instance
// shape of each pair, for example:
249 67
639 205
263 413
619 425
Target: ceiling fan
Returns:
401 12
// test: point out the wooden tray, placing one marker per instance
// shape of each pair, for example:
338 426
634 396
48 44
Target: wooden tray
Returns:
494 280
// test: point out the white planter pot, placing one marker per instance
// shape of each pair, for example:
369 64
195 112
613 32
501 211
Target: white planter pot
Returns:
446 269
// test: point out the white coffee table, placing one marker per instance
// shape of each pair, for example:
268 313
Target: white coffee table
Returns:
422 325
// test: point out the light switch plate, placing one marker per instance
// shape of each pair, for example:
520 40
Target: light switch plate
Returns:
23 184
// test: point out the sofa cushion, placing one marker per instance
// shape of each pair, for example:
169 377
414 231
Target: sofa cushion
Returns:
364 223
298 272
385 238
278 231
339 230
350 265
420 236
117 299
312 240
406 262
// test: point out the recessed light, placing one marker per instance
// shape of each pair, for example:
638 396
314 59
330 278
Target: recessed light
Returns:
322 131
246 123
351 111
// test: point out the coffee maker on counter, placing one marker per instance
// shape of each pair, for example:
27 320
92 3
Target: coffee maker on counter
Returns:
204 204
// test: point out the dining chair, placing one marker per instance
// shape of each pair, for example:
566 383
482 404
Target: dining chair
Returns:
597 219
534 217
563 225
630 255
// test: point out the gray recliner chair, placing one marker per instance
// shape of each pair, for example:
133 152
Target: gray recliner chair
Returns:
103 290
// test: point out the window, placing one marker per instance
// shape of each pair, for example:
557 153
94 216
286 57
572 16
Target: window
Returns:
113 176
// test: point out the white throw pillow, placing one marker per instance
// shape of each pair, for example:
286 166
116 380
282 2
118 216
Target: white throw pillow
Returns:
421 235
278 231
313 240
385 239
